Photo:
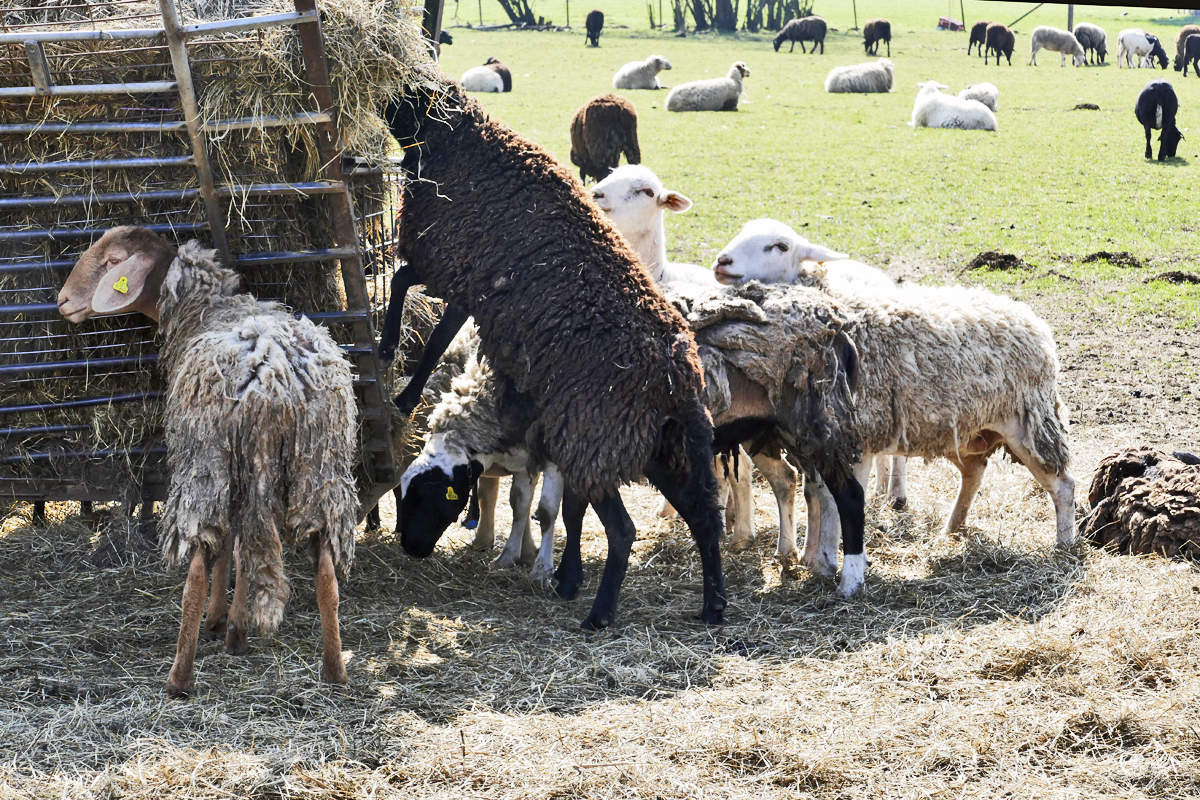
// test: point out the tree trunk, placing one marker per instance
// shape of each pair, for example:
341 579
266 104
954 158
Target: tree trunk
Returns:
725 19
700 15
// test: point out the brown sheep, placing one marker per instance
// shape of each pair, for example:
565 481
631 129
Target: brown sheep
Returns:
999 39
603 128
1180 43
874 32
1146 501
978 37
809 29
497 66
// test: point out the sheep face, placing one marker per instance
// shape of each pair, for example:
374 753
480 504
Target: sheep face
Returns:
660 63
768 251
632 197
434 492
121 272
1080 59
741 67
931 87
1169 142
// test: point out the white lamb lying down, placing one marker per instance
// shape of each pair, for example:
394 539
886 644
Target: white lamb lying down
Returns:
933 109
871 77
986 93
482 79
714 94
641 74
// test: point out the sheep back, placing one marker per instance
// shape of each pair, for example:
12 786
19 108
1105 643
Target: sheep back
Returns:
876 30
876 76
1180 41
500 68
602 129
1002 39
806 29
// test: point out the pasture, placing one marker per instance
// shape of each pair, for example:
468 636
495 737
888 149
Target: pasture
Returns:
977 665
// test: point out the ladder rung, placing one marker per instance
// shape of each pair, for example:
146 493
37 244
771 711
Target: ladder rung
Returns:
27 129
27 308
243 123
335 316
149 87
296 257
34 234
177 195
87 363
249 23
307 188
23 167
80 36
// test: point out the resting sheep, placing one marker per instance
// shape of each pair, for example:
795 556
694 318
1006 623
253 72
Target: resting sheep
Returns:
261 432
874 32
715 94
482 79
1137 44
641 74
808 29
933 109
985 93
1191 54
602 129
999 39
1094 41
978 37
1156 108
877 76
1180 41
499 67
1045 37
594 24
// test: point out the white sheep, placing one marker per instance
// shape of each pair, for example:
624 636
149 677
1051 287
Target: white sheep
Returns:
985 93
1133 43
1056 40
944 372
715 94
641 74
875 76
933 109
482 79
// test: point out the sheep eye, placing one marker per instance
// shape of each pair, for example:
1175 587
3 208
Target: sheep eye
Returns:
648 192
783 247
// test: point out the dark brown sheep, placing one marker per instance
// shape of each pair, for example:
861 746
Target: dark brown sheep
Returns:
978 37
497 66
1001 39
1181 41
603 128
809 29
874 32
1191 54
593 25
1146 501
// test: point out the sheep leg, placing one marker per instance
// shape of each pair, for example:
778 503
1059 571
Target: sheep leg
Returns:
666 510
216 617
333 669
851 510
782 479
1060 487
487 489
443 333
520 539
182 680
972 468
1149 149
742 503
569 575
389 338
824 528
898 485
239 617
889 44
547 513
619 529
724 501
883 473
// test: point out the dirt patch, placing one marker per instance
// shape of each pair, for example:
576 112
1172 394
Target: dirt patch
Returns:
1121 258
994 259
1176 276
1086 107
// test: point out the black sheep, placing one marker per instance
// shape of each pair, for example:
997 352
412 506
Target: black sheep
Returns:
1156 108
1000 39
603 128
874 32
809 29
594 24
1191 53
978 37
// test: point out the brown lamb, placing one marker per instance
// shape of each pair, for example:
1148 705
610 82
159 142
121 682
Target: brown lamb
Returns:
1180 41
978 37
1000 39
603 128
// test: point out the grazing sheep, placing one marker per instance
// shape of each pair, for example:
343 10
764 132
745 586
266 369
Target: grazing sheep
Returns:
1094 41
1045 37
985 93
877 76
1156 108
499 67
808 29
594 24
978 37
874 32
260 423
602 129
482 79
933 109
999 39
1180 41
1145 501
1191 53
641 74
945 372
715 94
1137 44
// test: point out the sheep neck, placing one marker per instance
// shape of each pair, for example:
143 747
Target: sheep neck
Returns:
651 246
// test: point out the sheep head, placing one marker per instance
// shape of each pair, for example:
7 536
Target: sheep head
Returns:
121 273
634 198
768 251
739 68
660 62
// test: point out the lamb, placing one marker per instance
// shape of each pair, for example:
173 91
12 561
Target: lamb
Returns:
985 93
1191 53
594 24
641 74
985 363
482 79
1045 37
260 422
874 32
807 29
501 69
999 39
1094 41
878 76
1145 501
1180 42
715 94
933 109
603 128
1156 108
978 37
1133 43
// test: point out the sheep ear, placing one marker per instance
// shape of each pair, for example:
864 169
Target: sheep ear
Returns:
807 251
674 201
132 285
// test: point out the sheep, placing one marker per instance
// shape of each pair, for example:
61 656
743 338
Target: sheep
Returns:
641 74
944 372
874 32
260 422
602 129
1093 40
999 39
1133 43
878 76
1145 501
978 37
808 29
1045 37
1191 53
501 69
1180 42
610 369
1156 108
985 93
933 109
594 24
482 79
715 94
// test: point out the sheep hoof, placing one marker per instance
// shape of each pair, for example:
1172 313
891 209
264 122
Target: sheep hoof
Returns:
566 590
596 622
738 545
898 503
236 643
334 673
180 689
541 572
506 559
821 566
854 570
213 630
713 616
483 543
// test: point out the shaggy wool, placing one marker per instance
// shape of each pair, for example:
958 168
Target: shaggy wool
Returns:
603 129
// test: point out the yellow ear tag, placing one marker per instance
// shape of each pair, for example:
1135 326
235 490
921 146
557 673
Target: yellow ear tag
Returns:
122 285
450 493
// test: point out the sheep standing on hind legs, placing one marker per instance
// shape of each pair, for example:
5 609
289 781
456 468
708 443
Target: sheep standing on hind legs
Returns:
260 422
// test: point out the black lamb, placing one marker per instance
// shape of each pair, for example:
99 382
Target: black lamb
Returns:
1191 54
1156 108
978 37
874 32
594 24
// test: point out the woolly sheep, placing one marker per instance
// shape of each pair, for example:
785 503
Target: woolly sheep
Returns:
1180 42
482 79
810 29
1046 37
715 94
933 109
260 423
944 372
876 76
593 25
1191 54
1137 44
999 39
985 93
602 129
874 32
1094 41
978 37
641 74
1156 108
500 68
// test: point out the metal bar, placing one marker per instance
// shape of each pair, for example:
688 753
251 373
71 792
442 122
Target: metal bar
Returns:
84 454
84 233
89 89
25 129
303 118
91 401
43 429
176 195
33 266
22 167
315 187
39 67
294 257
143 360
176 41
334 316
30 308
80 36
247 23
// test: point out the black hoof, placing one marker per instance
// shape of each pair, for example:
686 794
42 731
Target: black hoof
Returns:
565 590
713 616
214 632
596 622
